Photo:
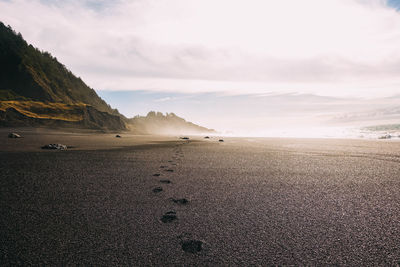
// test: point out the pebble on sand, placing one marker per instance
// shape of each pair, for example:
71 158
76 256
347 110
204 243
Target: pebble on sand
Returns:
386 136
13 135
55 146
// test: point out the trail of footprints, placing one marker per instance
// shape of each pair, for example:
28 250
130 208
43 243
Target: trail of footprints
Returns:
188 244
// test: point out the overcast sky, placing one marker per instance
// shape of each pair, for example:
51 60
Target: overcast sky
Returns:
205 49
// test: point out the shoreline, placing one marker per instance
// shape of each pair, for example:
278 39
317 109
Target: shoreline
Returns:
77 139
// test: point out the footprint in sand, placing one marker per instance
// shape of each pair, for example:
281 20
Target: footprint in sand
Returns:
169 216
181 201
165 181
157 189
192 245
156 174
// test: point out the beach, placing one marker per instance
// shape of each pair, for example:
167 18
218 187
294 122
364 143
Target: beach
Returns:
251 201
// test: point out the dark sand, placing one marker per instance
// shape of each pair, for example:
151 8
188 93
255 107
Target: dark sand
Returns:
251 201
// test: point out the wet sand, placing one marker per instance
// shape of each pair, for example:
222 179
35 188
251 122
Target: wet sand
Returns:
248 201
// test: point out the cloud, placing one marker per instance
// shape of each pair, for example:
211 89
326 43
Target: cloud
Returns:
331 47
163 99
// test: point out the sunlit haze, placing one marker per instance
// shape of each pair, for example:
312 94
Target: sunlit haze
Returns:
255 67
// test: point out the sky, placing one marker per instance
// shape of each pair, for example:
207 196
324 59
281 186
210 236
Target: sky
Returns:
232 65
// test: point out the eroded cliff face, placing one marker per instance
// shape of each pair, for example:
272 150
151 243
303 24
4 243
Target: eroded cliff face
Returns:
30 113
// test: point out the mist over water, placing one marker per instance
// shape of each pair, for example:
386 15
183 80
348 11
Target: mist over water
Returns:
323 132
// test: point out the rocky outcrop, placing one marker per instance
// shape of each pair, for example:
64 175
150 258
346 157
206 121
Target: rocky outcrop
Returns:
169 124
94 119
